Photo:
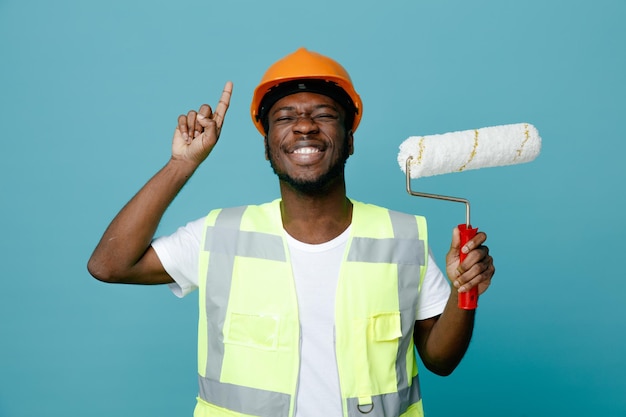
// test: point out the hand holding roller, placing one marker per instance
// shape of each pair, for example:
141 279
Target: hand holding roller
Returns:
468 300
422 156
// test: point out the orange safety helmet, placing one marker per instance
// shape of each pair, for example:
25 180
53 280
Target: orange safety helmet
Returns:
324 75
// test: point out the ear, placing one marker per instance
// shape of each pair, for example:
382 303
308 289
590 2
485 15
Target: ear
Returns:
267 149
350 137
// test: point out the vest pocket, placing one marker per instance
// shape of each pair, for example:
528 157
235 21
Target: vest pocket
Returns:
258 331
385 327
376 341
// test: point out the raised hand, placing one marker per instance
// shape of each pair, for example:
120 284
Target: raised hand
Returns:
198 132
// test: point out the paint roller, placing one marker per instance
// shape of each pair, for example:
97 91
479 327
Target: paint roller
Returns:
423 156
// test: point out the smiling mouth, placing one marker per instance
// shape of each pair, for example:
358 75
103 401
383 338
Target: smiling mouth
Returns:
306 150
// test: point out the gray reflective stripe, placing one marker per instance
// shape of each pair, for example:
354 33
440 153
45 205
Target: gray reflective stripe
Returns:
248 244
404 225
225 241
387 251
404 248
407 251
244 400
408 283
218 280
393 404
409 274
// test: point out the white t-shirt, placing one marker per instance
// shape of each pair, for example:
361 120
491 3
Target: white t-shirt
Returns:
316 272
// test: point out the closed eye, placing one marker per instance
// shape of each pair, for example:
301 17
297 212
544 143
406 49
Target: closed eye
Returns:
284 119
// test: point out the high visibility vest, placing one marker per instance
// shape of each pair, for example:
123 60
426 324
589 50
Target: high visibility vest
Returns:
249 332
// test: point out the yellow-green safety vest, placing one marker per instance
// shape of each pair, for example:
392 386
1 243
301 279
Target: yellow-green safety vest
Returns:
249 332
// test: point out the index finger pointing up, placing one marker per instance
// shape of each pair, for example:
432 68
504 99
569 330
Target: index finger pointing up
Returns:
222 106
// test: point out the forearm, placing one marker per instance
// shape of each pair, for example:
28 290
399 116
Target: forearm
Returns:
129 235
124 253
448 338
442 341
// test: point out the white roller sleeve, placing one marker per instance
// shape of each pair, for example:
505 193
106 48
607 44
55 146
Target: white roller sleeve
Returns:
470 149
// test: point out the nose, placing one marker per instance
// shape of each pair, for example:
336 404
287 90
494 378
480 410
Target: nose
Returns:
305 125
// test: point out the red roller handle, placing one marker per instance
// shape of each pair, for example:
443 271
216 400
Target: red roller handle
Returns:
467 300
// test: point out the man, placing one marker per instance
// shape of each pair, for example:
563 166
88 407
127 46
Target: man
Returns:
312 304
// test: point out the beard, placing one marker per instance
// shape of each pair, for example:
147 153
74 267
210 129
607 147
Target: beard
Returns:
316 185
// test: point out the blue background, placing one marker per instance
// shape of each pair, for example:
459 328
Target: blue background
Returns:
89 95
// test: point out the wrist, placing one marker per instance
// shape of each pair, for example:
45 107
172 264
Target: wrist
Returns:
181 167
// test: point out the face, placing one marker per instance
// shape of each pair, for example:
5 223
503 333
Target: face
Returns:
307 143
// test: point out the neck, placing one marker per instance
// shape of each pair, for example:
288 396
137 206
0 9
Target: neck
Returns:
315 217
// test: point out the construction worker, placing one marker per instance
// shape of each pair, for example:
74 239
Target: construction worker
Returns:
311 304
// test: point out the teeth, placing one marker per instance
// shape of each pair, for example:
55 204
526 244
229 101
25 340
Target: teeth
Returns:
306 150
